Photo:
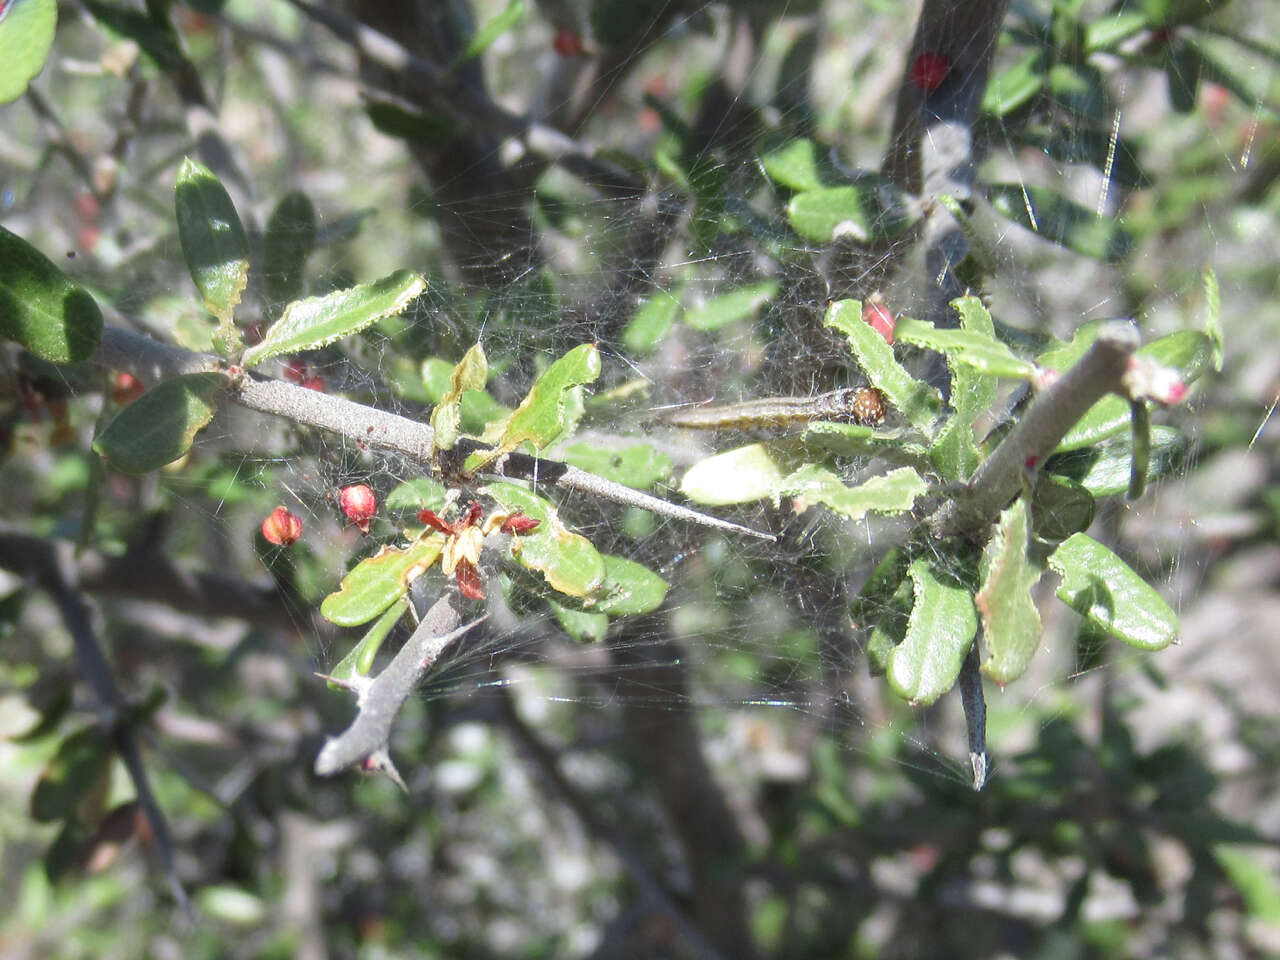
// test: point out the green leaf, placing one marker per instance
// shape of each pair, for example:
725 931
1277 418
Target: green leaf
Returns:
160 426
899 444
735 476
895 492
1008 91
639 466
1183 68
477 409
1080 90
1097 147
417 494
359 661
317 321
412 126
213 239
955 452
800 165
1105 32
1060 507
1140 418
1100 586
568 562
583 626
484 38
940 631
41 308
871 212
915 400
649 325
979 351
1059 220
290 238
151 31
731 307
1251 873
26 35
629 588
553 405
1010 621
1212 323
234 906
471 373
73 772
376 582
1104 469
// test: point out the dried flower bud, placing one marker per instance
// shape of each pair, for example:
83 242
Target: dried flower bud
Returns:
469 582
282 527
519 523
876 315
359 505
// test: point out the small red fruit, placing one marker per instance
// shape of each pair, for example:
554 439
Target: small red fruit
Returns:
282 527
300 372
359 505
519 523
877 315
126 388
929 70
567 43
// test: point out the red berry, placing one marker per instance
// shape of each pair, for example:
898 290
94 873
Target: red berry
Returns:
358 505
567 43
880 319
282 527
929 70
126 388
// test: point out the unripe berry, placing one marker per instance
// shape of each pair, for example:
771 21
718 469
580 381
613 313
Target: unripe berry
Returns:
358 505
282 527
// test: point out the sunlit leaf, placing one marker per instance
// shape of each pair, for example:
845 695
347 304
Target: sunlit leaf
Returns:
955 451
359 661
939 633
735 476
895 492
417 494
160 426
628 588
376 582
1011 626
649 325
1212 321
980 351
235 906
484 38
1252 872
317 321
639 466
1057 219
567 561
26 35
800 165
41 308
471 373
916 401
1009 90
1105 32
476 410
581 625
1104 469
553 405
731 307
866 213
213 239
1098 585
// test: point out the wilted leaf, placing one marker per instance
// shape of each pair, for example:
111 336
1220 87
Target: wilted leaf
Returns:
471 373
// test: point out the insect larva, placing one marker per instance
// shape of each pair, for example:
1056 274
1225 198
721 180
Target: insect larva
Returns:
863 405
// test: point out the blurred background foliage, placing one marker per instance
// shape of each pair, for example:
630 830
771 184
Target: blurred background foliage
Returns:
719 778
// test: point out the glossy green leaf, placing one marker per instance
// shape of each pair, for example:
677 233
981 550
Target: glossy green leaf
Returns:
484 38
1098 585
916 401
895 492
639 466
629 588
980 351
1009 90
1060 507
553 405
866 213
26 35
1105 32
73 772
1011 626
160 426
470 373
731 307
581 625
376 582
289 240
800 165
317 321
955 453
651 322
359 661
41 308
940 631
568 562
1104 469
736 476
213 239
1060 221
